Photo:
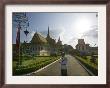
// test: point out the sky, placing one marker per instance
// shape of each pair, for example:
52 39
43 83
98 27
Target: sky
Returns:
68 26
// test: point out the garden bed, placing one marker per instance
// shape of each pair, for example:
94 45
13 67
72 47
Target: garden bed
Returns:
33 64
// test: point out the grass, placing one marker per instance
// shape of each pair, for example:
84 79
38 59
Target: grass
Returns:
32 64
93 67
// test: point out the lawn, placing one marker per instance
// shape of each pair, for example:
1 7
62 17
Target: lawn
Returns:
93 67
30 64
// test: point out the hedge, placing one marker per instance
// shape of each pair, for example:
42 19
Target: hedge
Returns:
88 66
20 70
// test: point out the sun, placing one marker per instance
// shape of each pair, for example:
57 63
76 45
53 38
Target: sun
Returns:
82 25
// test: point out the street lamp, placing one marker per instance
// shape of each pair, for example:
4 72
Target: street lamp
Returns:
22 23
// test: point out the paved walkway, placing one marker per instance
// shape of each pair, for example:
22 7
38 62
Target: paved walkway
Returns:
73 69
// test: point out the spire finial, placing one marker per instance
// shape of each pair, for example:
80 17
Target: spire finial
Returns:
48 35
59 38
48 30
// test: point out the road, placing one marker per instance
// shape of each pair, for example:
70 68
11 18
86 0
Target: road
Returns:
73 69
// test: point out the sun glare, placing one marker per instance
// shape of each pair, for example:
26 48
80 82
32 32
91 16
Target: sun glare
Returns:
82 25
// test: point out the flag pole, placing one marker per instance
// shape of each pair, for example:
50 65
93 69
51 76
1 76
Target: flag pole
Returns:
19 46
18 42
19 53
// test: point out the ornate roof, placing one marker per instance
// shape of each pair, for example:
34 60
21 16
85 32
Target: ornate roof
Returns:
38 39
59 42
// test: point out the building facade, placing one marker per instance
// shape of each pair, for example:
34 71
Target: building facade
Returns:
40 46
85 48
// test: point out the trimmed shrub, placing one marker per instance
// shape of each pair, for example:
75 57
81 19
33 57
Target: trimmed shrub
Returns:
88 66
24 69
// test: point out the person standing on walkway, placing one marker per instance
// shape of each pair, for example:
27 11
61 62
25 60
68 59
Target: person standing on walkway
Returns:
63 65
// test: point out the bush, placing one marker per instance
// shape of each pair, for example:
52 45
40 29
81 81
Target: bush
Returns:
54 54
33 66
88 66
84 57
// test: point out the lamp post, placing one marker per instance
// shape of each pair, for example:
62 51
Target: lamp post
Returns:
21 22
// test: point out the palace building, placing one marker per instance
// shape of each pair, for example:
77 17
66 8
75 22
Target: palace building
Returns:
40 46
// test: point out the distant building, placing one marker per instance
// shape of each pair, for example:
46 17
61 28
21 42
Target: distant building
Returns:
85 48
39 46
59 42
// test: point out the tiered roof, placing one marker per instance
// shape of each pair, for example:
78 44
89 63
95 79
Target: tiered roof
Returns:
38 39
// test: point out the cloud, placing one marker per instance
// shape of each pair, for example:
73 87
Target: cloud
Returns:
72 39
91 36
29 37
44 33
57 32
32 33
92 33
54 32
68 36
